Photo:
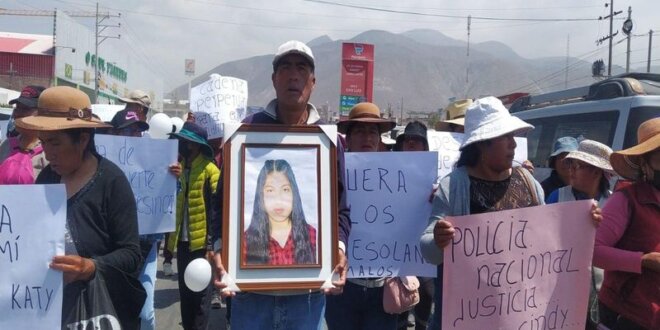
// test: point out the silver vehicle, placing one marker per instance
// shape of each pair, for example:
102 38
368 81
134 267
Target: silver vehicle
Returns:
609 111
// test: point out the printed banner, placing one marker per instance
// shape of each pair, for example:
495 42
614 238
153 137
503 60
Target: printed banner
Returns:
32 228
527 268
389 200
219 100
146 164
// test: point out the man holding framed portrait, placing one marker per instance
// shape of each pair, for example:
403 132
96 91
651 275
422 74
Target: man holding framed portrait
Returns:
288 221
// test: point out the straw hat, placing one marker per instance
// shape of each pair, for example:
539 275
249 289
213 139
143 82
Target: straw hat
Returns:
593 153
138 97
365 112
626 162
487 118
455 114
59 108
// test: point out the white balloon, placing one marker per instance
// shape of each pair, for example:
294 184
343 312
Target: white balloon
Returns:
178 122
159 125
197 275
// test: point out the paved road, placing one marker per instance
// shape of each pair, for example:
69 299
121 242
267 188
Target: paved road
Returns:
166 301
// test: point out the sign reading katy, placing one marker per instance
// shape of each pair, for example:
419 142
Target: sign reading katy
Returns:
357 75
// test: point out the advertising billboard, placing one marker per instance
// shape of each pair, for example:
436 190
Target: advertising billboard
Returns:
357 75
120 69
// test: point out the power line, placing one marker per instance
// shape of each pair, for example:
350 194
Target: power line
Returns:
529 22
135 43
645 61
558 72
218 21
486 18
572 80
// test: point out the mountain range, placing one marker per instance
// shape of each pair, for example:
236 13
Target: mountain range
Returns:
416 71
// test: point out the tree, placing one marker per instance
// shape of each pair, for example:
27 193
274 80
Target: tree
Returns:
434 118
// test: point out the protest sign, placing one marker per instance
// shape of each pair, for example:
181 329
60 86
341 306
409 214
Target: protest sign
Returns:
31 234
146 165
448 143
219 100
526 268
389 200
3 129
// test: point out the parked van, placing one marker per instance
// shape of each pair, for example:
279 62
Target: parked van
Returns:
609 111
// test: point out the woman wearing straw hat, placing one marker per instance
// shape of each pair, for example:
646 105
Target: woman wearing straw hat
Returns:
360 306
589 172
102 231
628 241
483 181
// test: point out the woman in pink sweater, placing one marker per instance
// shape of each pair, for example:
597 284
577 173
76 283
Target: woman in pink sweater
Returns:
628 239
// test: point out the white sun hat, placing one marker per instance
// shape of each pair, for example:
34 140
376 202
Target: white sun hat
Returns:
488 118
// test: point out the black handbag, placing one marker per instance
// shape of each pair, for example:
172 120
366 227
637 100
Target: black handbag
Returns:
87 305
111 300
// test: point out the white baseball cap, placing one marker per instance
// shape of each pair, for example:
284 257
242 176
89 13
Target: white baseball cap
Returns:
293 47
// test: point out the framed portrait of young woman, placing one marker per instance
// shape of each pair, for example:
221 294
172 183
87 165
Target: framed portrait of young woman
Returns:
279 206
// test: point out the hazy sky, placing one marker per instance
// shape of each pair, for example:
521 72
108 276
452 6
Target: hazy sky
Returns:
214 31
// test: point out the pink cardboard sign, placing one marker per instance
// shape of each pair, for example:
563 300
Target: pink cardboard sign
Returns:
527 268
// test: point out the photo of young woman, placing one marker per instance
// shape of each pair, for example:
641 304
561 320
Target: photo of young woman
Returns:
278 232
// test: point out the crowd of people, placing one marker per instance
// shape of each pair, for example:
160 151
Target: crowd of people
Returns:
53 142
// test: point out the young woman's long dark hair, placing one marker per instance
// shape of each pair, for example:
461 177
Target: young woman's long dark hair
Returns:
258 233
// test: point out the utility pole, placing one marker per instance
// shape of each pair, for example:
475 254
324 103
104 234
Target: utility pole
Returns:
568 44
648 62
610 36
628 33
467 64
54 82
98 40
401 111
609 54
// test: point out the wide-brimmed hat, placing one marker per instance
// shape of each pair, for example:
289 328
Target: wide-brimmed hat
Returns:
196 134
59 108
455 114
416 130
487 118
29 96
125 118
626 162
138 97
593 153
365 112
293 47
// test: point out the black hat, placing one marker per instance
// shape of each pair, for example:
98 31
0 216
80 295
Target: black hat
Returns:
29 96
416 130
124 118
194 133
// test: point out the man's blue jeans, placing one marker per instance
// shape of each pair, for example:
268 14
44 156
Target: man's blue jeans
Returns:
148 279
358 308
436 318
260 311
